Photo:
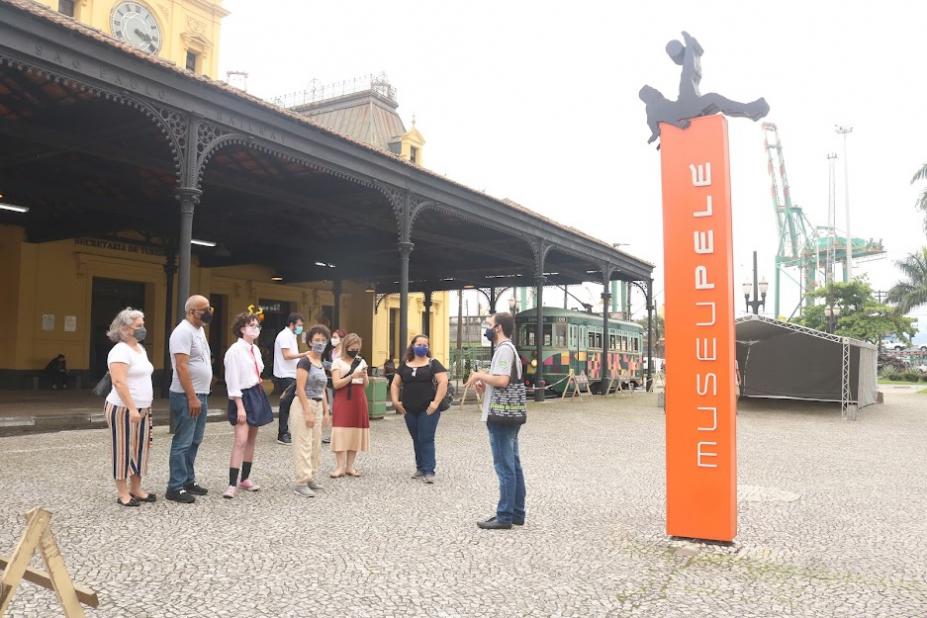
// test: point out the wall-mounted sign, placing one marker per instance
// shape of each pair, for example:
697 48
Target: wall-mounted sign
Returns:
119 245
70 323
48 321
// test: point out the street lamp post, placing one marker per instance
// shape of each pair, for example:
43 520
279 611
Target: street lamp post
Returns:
759 291
844 131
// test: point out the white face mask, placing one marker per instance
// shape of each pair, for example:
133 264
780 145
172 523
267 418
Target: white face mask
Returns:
252 331
336 340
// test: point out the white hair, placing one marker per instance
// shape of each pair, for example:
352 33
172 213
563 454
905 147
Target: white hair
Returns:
124 318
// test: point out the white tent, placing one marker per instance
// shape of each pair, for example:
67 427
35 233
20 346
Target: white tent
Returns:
787 361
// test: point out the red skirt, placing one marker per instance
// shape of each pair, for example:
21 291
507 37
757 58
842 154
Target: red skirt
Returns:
350 419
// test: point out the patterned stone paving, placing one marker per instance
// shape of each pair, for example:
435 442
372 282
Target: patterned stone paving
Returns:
831 523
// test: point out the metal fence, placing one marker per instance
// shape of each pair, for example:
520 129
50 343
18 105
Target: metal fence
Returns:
470 359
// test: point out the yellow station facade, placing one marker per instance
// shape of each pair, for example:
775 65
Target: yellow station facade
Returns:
60 296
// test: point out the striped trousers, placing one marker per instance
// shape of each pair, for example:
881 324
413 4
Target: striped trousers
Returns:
131 443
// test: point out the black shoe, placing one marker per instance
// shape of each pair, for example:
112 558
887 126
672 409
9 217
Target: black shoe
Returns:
131 502
518 522
284 439
196 490
149 498
493 524
180 495
326 440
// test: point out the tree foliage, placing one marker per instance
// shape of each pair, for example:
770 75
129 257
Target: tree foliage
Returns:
912 291
921 203
860 316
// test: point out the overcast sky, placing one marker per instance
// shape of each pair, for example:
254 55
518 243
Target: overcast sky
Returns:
537 101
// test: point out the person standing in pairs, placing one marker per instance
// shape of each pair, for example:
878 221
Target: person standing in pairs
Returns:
248 406
286 355
503 439
423 381
310 413
128 406
350 423
332 351
191 361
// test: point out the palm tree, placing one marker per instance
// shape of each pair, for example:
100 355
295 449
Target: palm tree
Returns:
913 292
921 203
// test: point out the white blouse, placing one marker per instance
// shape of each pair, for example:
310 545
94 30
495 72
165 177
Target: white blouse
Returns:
243 367
344 366
138 375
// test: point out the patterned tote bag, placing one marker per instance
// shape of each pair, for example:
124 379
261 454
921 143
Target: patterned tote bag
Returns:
508 406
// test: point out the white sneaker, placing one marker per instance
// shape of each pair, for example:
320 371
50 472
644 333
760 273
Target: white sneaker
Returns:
231 492
304 491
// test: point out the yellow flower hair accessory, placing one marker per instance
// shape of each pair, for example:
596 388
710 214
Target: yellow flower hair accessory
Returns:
256 310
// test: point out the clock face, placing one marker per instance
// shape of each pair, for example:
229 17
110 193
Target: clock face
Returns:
133 23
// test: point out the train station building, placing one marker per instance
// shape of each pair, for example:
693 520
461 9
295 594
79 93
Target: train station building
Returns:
130 176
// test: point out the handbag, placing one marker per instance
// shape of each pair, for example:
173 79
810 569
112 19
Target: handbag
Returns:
104 386
509 406
448 394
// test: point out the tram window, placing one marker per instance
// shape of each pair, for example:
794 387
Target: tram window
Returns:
572 336
598 341
591 340
611 342
561 335
637 344
547 329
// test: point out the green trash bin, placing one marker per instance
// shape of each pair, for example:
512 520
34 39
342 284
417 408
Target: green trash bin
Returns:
377 397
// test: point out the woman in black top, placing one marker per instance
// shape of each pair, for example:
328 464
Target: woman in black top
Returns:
424 384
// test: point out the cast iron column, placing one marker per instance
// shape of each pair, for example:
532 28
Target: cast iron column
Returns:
170 267
539 281
605 347
649 335
426 319
188 199
492 311
336 308
405 250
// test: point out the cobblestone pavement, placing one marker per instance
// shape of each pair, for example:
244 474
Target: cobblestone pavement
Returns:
831 523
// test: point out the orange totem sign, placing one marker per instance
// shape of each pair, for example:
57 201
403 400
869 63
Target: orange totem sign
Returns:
701 460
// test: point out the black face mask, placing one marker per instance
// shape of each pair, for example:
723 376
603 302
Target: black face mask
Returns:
205 316
352 353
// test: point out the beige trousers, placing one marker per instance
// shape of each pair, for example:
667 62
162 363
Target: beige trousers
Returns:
307 441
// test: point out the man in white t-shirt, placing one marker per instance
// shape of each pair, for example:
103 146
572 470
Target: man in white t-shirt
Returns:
191 361
286 356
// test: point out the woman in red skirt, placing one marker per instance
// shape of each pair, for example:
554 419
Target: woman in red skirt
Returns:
350 420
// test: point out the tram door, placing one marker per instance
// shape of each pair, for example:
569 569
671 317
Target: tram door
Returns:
109 297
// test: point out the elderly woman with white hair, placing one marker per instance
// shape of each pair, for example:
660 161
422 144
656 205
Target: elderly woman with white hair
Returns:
128 406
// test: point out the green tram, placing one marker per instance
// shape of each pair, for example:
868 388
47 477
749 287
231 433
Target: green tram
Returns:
573 339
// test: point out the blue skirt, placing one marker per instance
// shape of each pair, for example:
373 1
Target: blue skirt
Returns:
257 407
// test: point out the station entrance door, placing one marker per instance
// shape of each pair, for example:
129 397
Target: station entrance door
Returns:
109 297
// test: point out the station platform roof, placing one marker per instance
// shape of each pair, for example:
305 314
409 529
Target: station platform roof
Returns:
101 138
